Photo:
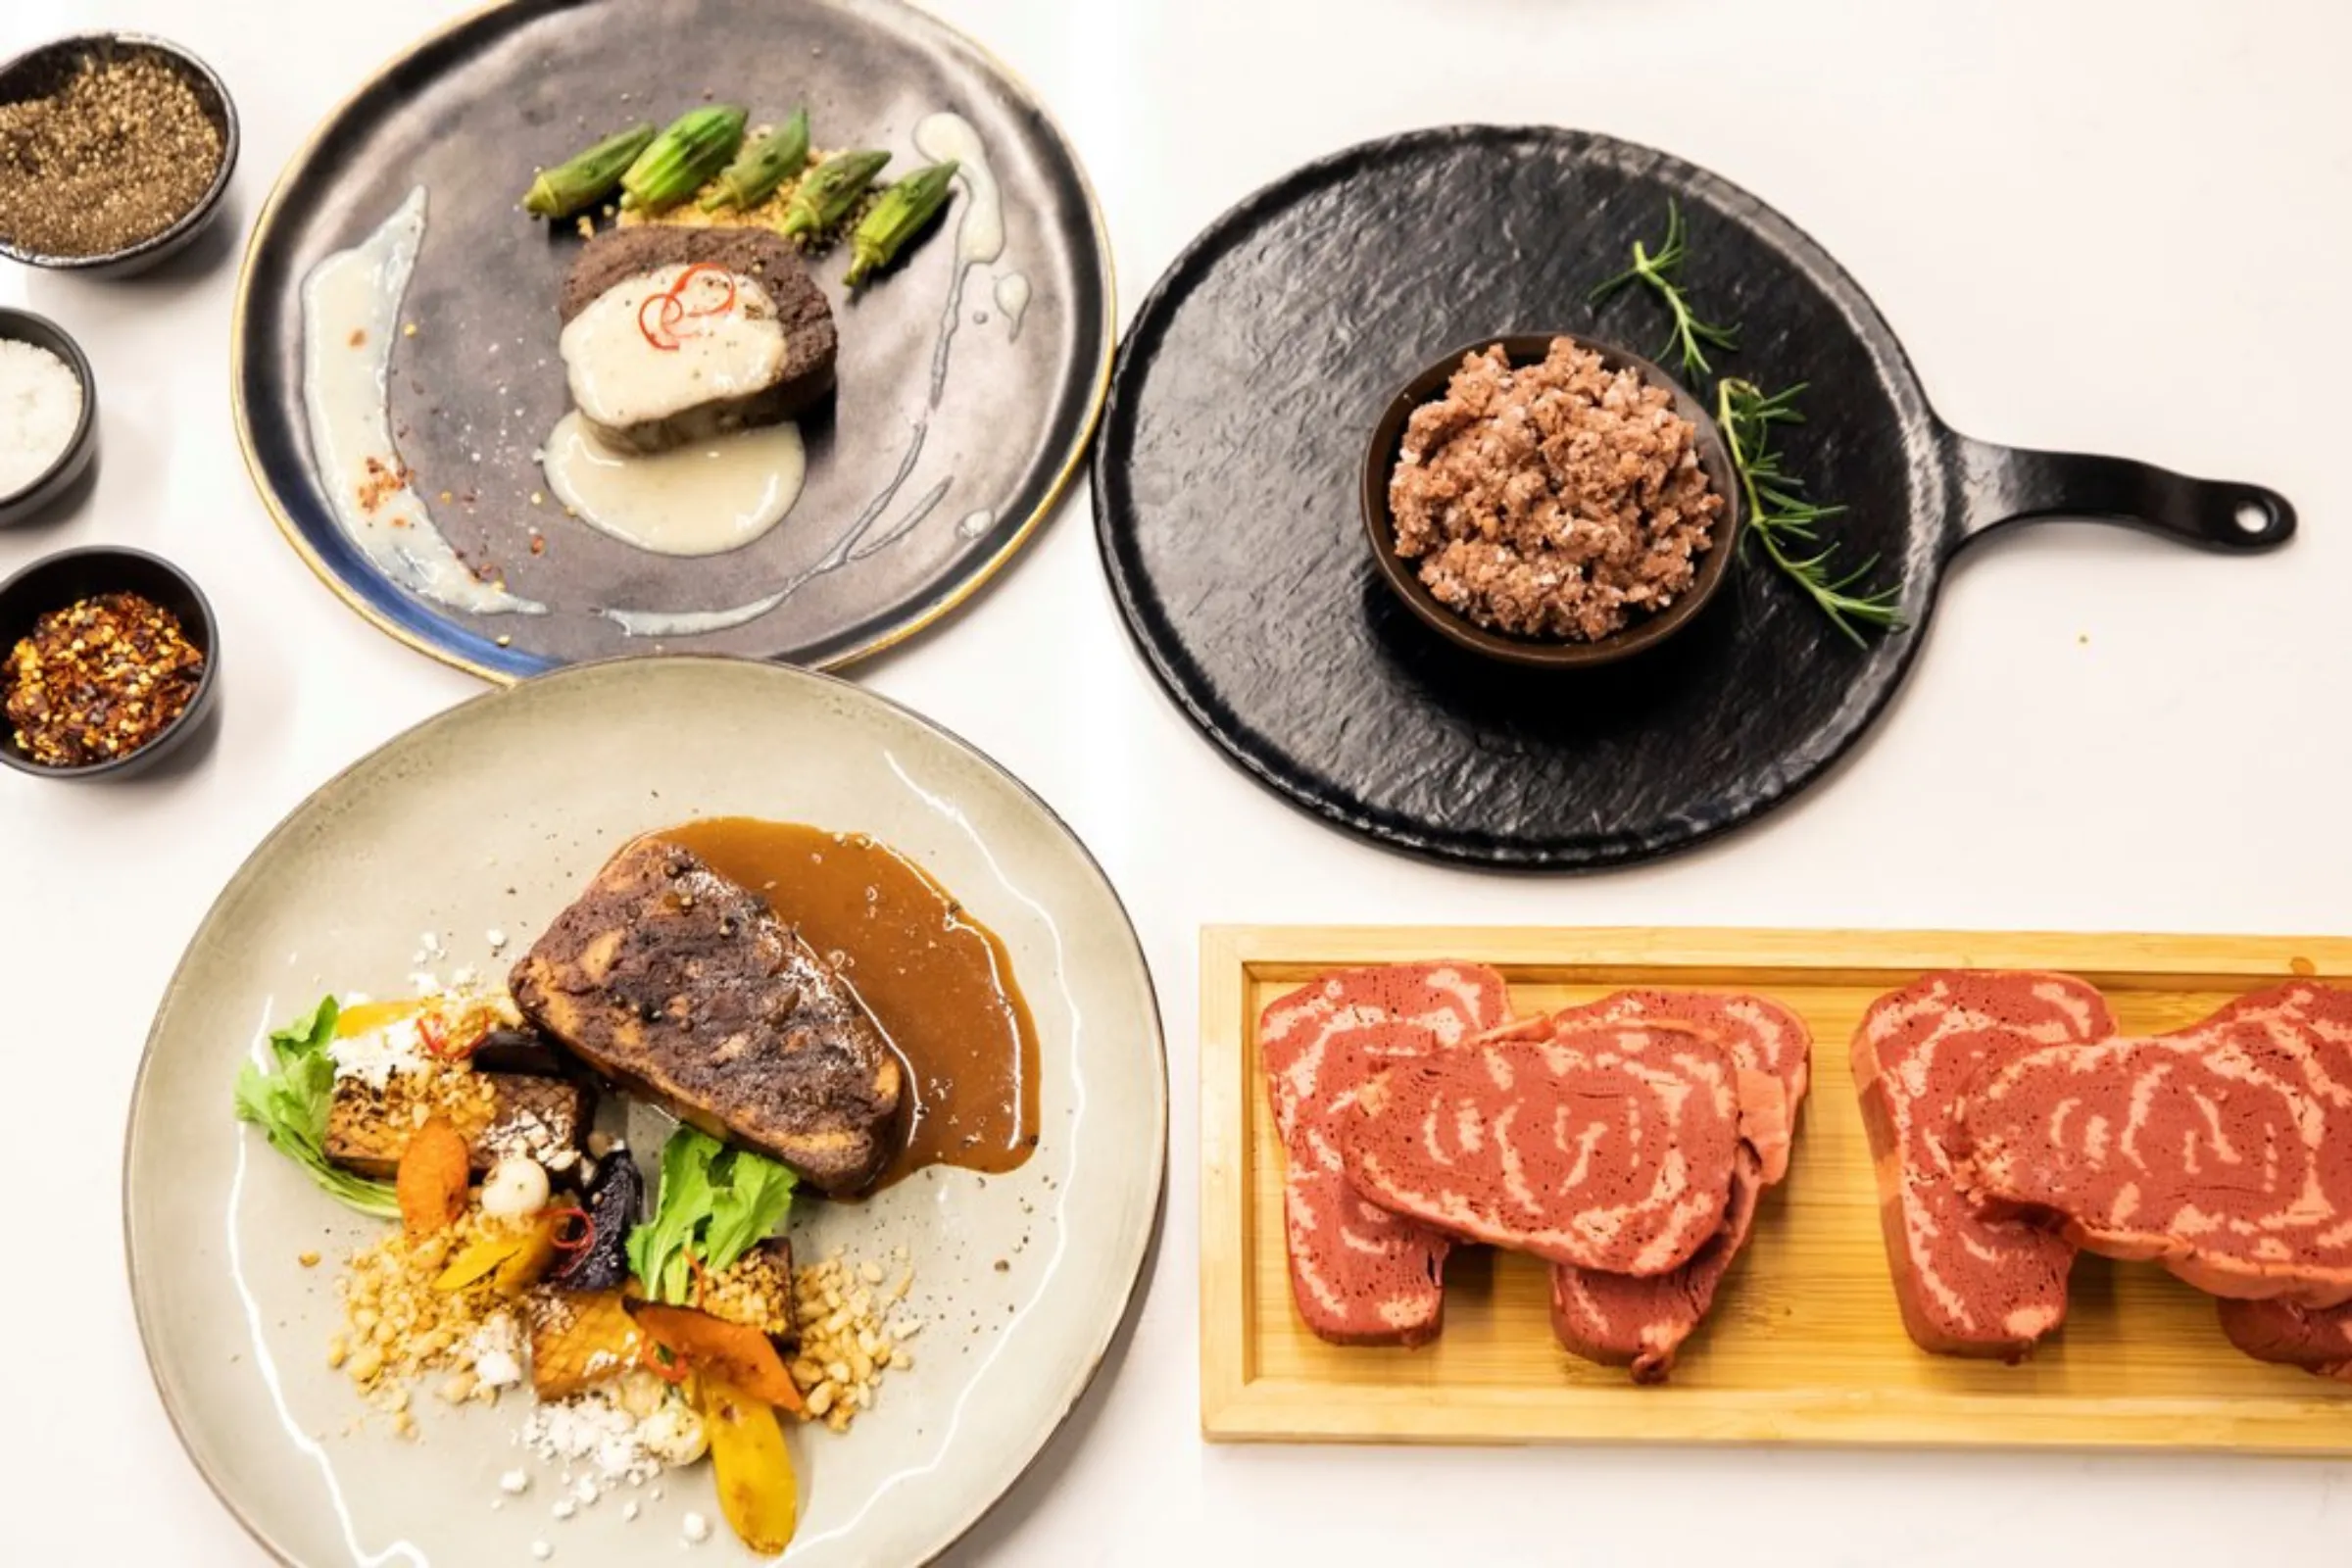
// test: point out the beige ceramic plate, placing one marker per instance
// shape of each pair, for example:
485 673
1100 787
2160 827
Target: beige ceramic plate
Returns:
491 816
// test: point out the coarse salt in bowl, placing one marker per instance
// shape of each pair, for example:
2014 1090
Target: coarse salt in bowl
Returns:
48 408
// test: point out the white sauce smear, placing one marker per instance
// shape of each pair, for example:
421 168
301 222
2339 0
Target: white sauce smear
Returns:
705 499
980 235
350 315
664 343
1012 298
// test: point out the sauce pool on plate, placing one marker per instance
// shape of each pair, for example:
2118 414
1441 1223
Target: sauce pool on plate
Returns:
938 982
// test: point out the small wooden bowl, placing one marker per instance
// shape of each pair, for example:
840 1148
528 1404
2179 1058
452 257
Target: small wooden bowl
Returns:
56 581
1529 348
41 71
23 326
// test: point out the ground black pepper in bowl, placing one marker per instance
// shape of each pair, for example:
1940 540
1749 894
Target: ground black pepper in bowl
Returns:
112 150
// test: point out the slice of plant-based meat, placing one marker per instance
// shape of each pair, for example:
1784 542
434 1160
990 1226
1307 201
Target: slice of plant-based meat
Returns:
688 989
673 334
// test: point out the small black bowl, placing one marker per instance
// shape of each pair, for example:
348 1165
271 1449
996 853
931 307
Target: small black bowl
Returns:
23 326
1380 531
38 73
58 580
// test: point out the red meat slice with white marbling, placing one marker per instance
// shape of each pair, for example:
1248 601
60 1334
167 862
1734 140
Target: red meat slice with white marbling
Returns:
1609 1146
1967 1285
2317 1339
1360 1274
1622 1320
2222 1151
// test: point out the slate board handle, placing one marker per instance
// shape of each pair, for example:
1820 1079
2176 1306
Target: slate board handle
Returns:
2003 485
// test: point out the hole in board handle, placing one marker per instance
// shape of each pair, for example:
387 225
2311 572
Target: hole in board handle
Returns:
2252 516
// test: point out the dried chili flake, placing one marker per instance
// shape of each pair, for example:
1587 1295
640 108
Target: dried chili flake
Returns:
99 679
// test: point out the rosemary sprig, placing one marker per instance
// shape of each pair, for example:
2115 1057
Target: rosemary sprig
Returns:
1783 525
1692 337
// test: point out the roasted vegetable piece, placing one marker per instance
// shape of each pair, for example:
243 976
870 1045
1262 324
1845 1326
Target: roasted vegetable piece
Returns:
432 1178
579 1339
525 1052
674 166
831 190
758 1491
615 1193
517 1257
905 210
367 1127
715 1348
587 178
761 167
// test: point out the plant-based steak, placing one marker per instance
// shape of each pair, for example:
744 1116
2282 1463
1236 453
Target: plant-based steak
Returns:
675 336
685 987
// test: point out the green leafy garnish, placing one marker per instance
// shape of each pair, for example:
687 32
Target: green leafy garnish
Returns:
1786 524
716 1204
1691 336
289 1103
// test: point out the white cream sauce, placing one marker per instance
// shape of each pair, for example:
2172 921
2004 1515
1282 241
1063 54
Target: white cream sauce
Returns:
702 499
974 524
691 622
1013 299
723 340
350 317
980 231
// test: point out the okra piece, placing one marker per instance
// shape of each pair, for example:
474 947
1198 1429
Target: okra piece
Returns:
831 190
761 167
903 212
589 177
676 163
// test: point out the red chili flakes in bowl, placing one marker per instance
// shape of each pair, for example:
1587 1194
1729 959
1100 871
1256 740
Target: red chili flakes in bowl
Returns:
98 680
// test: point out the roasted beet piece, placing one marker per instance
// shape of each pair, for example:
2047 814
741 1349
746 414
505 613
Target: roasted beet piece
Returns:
615 1194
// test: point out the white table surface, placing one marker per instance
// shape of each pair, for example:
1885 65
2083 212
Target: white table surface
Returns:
2122 225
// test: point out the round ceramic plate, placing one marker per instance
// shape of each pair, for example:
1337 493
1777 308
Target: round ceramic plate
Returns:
961 415
494 815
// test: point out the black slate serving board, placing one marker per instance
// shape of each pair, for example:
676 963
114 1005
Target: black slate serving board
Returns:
1227 476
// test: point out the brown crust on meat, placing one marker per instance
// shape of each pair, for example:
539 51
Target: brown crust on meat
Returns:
686 988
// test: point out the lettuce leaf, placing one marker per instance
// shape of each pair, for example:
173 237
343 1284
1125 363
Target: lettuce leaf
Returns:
289 1103
715 1204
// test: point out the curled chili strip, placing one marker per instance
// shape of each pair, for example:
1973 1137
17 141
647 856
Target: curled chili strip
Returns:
659 1359
670 311
578 1241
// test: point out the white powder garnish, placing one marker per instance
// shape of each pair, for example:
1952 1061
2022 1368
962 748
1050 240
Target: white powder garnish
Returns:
496 937
40 404
565 1508
377 1055
515 1482
498 1357
542 1550
697 1528
593 1432
584 1491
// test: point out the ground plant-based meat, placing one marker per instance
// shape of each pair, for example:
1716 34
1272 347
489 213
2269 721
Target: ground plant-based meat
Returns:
1559 500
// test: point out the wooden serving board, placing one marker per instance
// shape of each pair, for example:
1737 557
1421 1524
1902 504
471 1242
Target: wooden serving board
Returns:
1804 1345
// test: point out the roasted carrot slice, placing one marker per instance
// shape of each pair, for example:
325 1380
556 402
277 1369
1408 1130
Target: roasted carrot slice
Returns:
431 1182
715 1348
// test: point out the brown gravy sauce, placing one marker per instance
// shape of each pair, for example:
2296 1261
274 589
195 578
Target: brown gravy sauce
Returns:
938 982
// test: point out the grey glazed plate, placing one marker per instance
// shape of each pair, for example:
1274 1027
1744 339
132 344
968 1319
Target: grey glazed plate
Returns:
492 816
953 432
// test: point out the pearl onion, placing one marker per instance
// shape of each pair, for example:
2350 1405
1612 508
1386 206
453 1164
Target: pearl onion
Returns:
515 1188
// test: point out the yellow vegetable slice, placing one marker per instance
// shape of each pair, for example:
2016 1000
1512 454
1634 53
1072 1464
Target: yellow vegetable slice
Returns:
518 1258
758 1491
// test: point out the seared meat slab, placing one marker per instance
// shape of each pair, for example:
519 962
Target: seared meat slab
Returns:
684 986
